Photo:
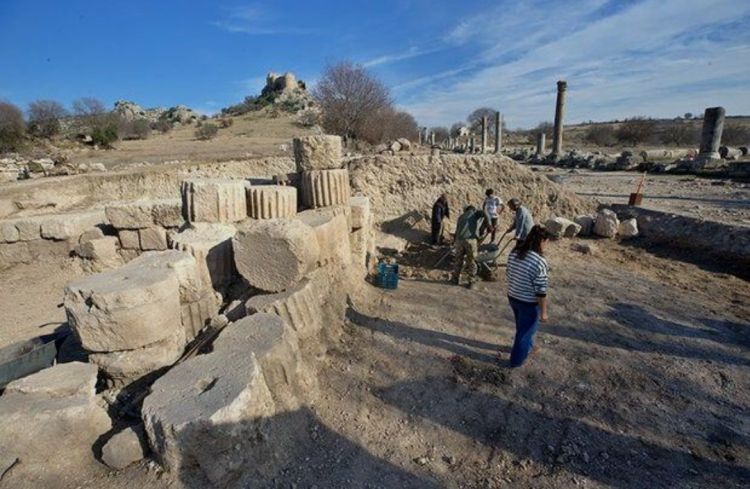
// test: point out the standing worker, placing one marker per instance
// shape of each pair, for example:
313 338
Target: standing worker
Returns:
528 274
440 211
522 222
493 207
467 242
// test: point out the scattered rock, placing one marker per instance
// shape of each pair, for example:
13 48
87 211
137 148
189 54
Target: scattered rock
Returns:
628 228
585 248
124 448
606 224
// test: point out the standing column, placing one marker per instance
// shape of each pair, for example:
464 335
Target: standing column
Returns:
498 132
420 137
540 141
484 134
562 87
713 126
432 138
471 145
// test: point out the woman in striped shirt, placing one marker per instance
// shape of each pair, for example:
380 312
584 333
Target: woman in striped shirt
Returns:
527 274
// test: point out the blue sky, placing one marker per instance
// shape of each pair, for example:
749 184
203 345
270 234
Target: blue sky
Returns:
441 58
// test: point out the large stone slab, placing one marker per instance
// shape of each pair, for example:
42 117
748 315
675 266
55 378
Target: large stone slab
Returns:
145 213
50 422
152 238
275 254
70 226
203 415
331 232
124 309
197 314
317 152
211 245
213 200
124 367
323 188
271 201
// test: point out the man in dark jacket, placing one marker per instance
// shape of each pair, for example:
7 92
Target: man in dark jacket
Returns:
440 211
467 241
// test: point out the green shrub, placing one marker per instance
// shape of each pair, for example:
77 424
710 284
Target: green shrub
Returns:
162 125
136 129
206 131
104 135
44 117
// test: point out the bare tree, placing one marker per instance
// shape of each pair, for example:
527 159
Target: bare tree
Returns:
456 128
12 127
349 96
441 133
636 130
88 107
44 117
546 127
475 119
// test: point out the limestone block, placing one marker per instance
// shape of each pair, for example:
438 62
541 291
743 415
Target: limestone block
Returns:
358 242
331 233
299 308
322 188
67 226
317 153
562 228
102 252
8 232
361 216
152 238
628 228
125 448
124 309
167 213
210 405
130 215
586 223
606 224
271 201
62 380
183 265
123 367
211 245
29 229
50 423
275 254
213 200
93 233
129 239
197 314
145 213
13 254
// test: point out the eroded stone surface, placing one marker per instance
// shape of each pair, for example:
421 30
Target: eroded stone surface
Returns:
124 309
124 448
152 238
300 308
323 188
211 245
275 254
331 232
67 226
62 380
361 216
606 224
271 201
317 152
213 200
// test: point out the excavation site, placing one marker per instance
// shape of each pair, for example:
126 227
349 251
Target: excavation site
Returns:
326 285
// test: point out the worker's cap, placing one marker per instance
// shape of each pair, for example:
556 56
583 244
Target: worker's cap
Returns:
515 202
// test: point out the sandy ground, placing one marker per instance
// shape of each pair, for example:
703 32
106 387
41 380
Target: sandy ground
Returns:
642 379
712 199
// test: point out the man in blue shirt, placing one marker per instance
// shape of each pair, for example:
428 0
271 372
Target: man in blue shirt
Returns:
522 222
467 242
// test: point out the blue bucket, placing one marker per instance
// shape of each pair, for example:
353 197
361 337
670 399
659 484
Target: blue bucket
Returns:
387 276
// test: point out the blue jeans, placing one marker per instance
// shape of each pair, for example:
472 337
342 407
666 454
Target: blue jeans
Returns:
527 322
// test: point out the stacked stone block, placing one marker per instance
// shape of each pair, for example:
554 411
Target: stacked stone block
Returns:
361 239
25 239
129 319
213 200
323 182
271 201
211 245
143 225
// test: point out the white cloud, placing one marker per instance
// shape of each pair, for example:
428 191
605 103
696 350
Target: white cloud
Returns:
255 20
412 52
657 57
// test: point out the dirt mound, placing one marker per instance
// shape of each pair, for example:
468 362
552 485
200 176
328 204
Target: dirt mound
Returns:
401 185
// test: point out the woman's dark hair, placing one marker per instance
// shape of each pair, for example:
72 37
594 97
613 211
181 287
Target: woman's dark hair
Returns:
533 241
489 192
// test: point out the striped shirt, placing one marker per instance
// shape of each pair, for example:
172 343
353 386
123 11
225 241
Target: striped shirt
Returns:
527 278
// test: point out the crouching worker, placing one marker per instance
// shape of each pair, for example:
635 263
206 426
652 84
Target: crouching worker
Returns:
467 242
527 274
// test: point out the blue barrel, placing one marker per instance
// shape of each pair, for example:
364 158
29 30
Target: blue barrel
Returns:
387 276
